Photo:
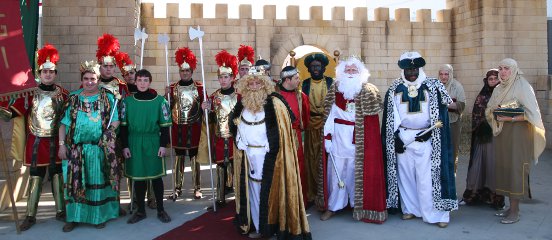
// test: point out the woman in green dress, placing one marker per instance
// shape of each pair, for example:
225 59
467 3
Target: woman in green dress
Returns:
90 186
145 125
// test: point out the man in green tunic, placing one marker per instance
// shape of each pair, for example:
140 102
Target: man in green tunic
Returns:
88 169
145 126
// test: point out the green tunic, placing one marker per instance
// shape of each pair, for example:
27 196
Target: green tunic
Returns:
101 202
144 119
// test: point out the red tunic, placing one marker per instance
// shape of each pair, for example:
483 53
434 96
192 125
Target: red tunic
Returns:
42 148
302 116
181 133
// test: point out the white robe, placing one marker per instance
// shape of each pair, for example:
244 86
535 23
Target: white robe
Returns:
414 165
253 141
343 152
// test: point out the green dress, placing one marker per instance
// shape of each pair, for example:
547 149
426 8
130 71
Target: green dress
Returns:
144 119
101 203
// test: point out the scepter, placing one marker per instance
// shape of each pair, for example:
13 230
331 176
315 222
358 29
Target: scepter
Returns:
164 39
197 33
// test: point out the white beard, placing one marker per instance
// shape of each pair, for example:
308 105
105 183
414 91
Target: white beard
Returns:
350 85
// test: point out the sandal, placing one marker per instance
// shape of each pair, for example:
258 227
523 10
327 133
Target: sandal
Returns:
68 227
163 217
137 217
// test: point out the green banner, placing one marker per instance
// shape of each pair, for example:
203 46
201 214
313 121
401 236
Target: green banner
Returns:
29 20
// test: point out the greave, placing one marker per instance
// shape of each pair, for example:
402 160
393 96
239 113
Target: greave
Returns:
57 192
35 188
230 174
178 172
221 180
196 177
149 191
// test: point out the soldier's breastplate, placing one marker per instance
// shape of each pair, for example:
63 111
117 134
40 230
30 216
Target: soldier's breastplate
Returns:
223 105
43 114
112 86
187 107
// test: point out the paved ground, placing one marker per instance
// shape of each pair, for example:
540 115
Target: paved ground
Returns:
469 222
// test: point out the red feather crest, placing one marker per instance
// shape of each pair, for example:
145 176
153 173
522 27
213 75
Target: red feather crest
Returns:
48 51
123 59
226 59
108 45
185 55
246 52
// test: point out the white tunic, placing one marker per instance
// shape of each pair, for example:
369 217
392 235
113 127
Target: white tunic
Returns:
253 141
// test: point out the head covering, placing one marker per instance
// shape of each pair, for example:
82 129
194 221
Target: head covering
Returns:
228 63
480 128
185 59
264 64
448 68
246 55
288 72
124 63
108 46
90 66
517 91
321 57
411 60
47 58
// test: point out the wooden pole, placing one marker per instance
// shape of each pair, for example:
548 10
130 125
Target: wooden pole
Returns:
5 164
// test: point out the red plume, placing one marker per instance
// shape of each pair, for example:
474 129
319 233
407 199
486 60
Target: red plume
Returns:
122 59
226 59
246 52
108 45
48 51
185 55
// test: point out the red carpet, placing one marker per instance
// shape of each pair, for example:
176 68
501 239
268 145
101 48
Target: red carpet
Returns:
219 225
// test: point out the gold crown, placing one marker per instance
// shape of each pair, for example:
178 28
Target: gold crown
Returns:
90 66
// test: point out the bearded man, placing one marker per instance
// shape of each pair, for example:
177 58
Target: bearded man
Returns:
268 187
420 169
353 168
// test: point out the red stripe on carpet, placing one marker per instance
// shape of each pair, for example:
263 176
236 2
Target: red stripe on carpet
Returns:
210 225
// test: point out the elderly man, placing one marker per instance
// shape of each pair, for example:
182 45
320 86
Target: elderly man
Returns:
268 188
315 88
455 109
417 147
353 169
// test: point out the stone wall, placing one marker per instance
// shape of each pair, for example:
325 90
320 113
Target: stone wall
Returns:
472 35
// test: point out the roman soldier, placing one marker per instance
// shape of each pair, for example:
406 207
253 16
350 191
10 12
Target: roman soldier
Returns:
299 104
128 70
186 97
42 112
108 47
221 103
246 58
315 88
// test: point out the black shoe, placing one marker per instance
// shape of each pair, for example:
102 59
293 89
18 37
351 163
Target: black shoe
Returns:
219 204
27 223
163 217
68 227
100 226
137 217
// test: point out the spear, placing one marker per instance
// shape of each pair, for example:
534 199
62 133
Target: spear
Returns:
163 39
140 35
197 33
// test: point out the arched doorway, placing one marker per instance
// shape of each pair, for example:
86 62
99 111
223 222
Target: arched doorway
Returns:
304 51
